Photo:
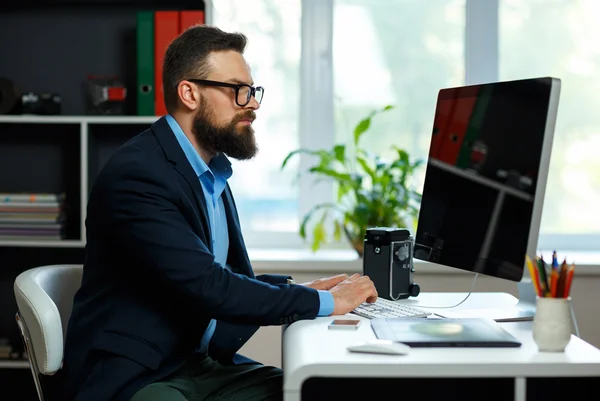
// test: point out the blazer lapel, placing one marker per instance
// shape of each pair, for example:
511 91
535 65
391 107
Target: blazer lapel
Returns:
175 155
237 257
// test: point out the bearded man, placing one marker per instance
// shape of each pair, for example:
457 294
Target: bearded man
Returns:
168 294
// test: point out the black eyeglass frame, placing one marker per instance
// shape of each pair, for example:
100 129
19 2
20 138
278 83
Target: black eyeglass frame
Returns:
237 87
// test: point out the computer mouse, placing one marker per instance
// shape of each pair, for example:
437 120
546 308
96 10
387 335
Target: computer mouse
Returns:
381 347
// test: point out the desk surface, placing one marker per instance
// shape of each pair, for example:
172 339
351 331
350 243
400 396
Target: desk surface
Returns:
310 349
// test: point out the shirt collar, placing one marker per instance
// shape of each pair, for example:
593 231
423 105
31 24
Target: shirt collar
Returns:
219 166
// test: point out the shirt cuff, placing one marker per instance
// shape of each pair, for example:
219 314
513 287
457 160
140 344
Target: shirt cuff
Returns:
327 304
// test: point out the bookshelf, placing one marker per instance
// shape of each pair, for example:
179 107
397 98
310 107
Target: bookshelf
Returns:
51 46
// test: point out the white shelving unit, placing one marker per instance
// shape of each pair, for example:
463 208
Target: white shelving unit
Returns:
98 137
10 364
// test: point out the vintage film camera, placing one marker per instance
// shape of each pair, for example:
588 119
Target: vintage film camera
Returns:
388 261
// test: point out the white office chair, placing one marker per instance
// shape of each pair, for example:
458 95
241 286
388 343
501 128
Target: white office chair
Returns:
45 300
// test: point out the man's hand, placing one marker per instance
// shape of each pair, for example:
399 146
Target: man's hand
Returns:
352 292
326 283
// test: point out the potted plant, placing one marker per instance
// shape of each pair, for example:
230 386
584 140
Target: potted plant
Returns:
371 191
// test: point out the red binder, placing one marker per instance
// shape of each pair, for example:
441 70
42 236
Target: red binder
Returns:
456 129
166 29
189 18
443 111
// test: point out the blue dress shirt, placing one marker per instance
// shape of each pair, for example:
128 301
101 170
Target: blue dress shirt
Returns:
213 178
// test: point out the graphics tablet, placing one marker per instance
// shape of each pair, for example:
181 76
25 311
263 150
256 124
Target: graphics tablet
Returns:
449 332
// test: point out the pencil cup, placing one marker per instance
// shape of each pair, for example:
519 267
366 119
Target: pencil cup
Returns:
552 324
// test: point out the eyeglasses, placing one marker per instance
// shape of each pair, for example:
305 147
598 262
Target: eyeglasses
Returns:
243 92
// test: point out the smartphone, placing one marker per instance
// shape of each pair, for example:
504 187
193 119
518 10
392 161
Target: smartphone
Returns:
344 324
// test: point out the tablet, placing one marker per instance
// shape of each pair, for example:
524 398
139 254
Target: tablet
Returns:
449 332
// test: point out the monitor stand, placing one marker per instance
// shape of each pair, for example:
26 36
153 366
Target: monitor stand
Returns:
522 311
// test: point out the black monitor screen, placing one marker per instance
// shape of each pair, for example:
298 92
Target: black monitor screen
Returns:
482 171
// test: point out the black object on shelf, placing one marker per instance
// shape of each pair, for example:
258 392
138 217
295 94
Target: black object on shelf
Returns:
10 97
105 95
46 104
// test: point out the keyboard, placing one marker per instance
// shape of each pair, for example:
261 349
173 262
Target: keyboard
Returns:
386 308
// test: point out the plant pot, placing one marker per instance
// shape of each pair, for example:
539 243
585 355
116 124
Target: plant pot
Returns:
357 243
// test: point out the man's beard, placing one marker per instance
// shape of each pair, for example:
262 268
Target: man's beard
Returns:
234 141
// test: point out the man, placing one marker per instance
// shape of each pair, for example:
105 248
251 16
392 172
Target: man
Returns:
168 295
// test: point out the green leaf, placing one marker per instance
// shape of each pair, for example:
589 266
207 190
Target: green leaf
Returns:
365 123
324 155
365 166
361 128
318 235
337 230
298 151
311 212
319 232
340 152
402 155
341 177
343 190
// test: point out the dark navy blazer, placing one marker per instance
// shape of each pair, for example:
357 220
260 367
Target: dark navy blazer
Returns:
150 284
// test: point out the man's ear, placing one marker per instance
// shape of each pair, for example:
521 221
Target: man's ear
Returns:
189 95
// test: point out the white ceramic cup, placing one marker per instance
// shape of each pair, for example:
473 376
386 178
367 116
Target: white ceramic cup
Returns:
552 324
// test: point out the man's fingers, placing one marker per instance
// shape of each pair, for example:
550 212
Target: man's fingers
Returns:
337 278
340 277
369 288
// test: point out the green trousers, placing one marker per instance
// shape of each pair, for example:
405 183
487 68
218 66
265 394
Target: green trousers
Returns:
203 379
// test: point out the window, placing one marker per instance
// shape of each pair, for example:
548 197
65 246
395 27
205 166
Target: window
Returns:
325 64
400 53
265 198
560 39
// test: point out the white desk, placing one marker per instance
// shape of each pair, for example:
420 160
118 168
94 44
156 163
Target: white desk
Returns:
317 365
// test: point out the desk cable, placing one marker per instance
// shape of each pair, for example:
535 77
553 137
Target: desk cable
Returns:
455 305
574 320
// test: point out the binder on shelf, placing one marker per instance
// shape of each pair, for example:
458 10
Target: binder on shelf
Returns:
474 128
189 18
440 126
145 62
454 136
166 29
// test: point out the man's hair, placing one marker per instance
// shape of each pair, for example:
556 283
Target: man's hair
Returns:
187 56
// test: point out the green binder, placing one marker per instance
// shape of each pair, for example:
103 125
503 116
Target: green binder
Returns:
145 63
474 128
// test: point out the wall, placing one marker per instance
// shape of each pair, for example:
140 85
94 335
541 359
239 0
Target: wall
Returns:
265 346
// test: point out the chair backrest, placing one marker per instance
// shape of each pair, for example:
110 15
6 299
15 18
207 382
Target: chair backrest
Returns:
44 297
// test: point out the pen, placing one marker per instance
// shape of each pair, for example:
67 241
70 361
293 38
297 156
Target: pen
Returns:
554 283
544 287
534 276
562 277
554 260
568 281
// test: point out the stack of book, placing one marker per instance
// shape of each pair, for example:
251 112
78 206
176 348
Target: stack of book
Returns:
31 216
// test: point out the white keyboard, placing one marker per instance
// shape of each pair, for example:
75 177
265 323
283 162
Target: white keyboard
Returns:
386 308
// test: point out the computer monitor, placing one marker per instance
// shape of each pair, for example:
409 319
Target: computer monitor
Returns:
486 175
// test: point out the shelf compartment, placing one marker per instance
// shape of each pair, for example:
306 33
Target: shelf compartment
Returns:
44 158
104 140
